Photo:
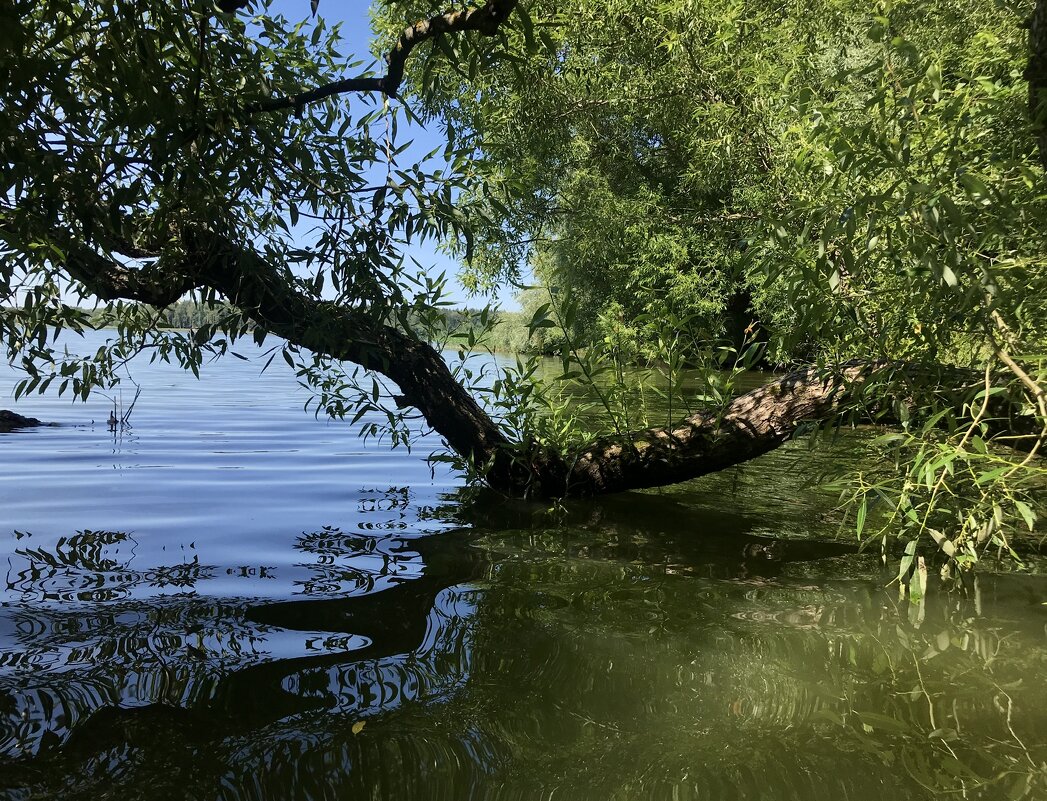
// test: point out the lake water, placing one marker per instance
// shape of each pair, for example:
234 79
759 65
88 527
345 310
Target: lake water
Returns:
235 600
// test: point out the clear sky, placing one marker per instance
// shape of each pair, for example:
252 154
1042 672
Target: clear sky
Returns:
357 35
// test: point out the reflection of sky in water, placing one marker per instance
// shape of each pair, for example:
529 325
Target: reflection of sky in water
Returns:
98 566
435 669
224 468
235 584
131 562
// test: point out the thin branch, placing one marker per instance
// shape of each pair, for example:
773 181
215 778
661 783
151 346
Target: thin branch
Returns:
485 20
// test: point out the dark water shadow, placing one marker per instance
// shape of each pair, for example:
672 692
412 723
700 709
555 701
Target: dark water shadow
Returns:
495 653
649 527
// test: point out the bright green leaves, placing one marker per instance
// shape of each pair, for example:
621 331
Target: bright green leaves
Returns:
126 127
630 150
921 239
924 197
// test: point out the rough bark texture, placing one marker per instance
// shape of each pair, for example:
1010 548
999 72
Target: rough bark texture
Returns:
752 425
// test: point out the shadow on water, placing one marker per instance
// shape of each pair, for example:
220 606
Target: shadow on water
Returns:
184 647
673 523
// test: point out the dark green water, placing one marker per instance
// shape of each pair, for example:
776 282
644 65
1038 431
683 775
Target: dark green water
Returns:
235 600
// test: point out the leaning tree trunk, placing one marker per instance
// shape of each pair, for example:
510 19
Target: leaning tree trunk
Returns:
751 425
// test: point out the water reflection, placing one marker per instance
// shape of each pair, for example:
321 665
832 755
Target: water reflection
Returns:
587 661
87 631
219 617
89 566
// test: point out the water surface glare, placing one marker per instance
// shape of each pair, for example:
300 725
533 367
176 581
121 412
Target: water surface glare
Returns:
236 600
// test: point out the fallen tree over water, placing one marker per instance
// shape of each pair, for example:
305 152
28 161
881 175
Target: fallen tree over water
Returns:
749 426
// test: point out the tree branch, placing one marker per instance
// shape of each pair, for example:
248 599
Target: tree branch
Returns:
752 424
110 280
267 295
486 20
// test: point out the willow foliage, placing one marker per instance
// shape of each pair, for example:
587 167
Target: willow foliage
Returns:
848 183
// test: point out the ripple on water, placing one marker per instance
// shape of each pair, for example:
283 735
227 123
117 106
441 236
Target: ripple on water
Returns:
211 604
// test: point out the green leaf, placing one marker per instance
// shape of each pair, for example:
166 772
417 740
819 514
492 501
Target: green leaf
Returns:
877 720
1027 514
907 559
991 475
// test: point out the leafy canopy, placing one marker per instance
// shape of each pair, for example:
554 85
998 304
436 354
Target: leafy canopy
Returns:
812 182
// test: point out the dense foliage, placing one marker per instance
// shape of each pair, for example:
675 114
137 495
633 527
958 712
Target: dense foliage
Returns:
124 127
635 155
642 159
837 182
697 183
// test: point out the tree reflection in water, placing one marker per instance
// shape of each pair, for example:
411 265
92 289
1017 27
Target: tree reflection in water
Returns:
590 651
90 633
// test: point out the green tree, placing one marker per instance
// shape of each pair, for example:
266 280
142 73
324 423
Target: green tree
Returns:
181 151
923 243
634 153
866 184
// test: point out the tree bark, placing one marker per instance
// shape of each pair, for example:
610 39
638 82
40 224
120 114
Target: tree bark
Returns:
1036 75
268 297
751 425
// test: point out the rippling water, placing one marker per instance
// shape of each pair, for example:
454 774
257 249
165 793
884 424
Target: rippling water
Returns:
234 599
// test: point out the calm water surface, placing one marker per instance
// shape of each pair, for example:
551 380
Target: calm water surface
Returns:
235 600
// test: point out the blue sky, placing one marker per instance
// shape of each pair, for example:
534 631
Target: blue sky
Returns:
357 35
